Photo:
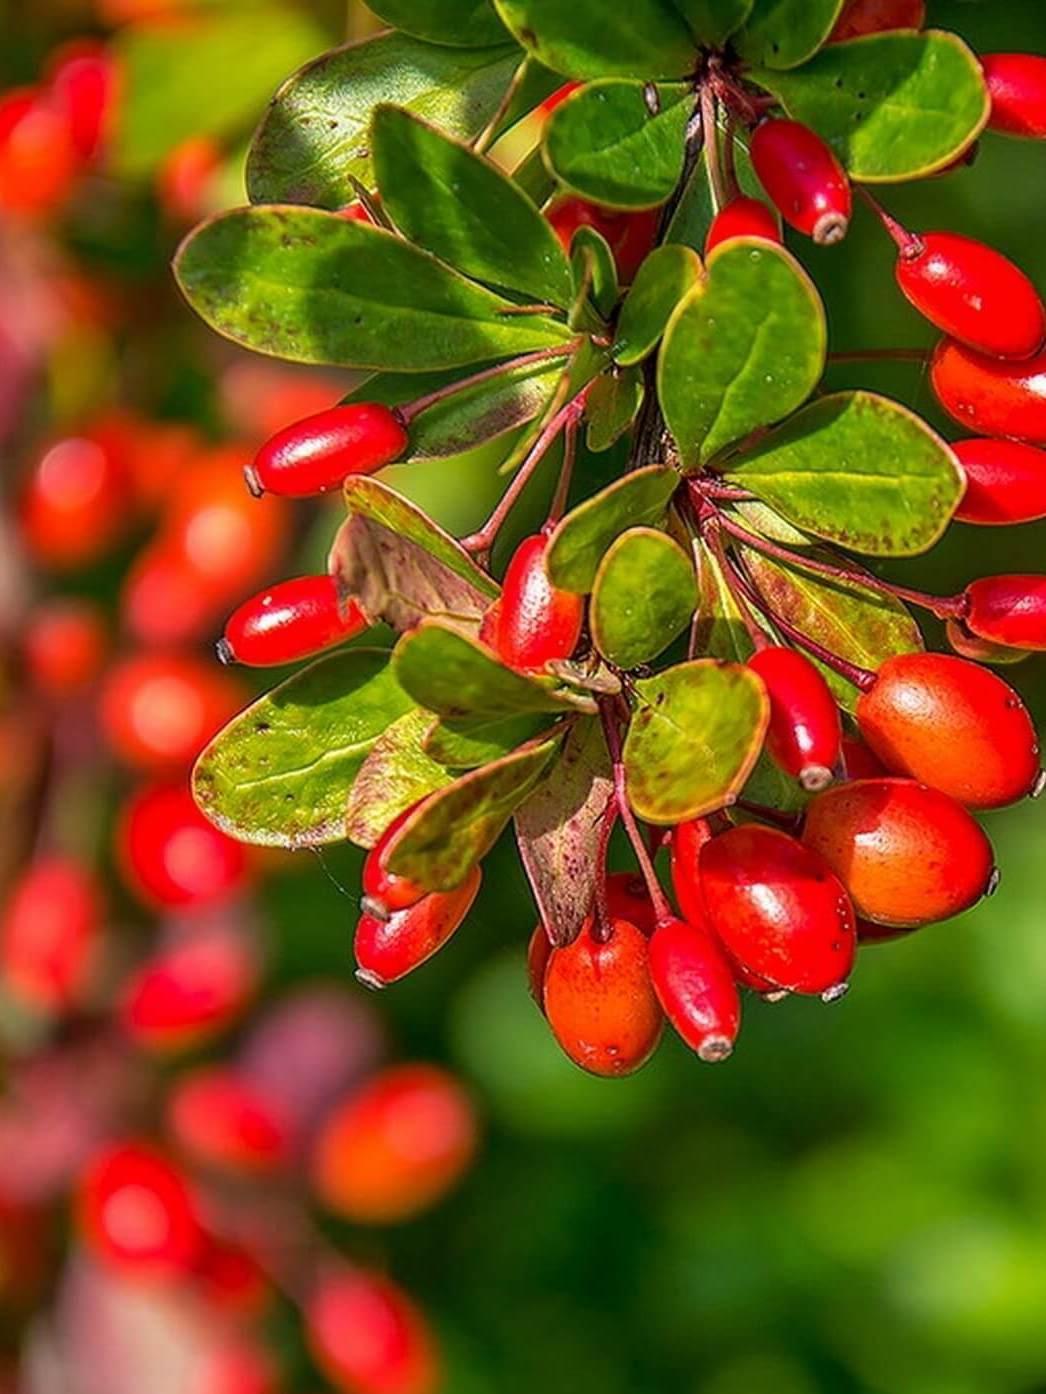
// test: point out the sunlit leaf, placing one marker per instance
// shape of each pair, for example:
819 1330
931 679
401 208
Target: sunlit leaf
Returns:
644 597
590 38
395 775
579 542
459 23
613 404
665 278
785 33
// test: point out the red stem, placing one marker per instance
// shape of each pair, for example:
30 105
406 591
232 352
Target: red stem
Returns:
662 909
909 244
413 409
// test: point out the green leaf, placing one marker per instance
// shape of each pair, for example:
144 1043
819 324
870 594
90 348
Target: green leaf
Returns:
713 21
760 518
315 138
207 77
594 266
695 736
454 829
467 742
395 775
280 772
644 597
785 33
860 625
620 143
893 106
697 206
745 348
579 542
613 404
665 278
311 287
860 470
589 38
463 209
459 23
559 832
455 678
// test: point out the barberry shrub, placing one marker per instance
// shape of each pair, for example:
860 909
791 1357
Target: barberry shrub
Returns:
701 643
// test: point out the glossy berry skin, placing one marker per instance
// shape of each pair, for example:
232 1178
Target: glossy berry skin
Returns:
368 1337
803 178
64 646
631 235
1008 610
539 953
988 395
159 709
600 1002
695 986
805 732
318 454
778 910
171 856
396 1146
876 17
908 855
387 891
49 934
137 1213
628 899
686 842
1005 482
220 1121
390 948
1017 87
539 623
290 621
860 761
972 293
743 217
189 990
953 725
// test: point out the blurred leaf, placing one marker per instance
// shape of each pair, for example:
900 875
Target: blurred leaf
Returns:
785 33
644 597
620 143
587 38
280 772
464 743
668 274
612 406
579 542
745 348
713 21
395 775
694 738
858 470
315 138
593 262
312 287
459 23
463 209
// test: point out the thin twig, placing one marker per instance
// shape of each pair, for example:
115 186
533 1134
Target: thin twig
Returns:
711 130
662 909
410 410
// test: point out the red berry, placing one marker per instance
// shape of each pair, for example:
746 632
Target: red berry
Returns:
49 934
1005 482
687 840
221 1121
368 1337
539 622
385 888
356 212
989 396
628 899
137 1212
558 97
393 1148
1009 610
973 293
907 854
952 725
695 986
74 506
631 235
190 989
236 1364
290 621
158 710
778 909
876 17
64 646
743 217
968 645
38 161
804 179
82 88
319 453
164 599
389 948
230 1280
172 856
600 1002
859 761
805 732
1017 87
539 953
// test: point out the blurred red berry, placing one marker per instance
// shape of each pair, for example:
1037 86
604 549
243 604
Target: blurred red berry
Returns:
368 1337
220 1120
159 710
49 934
82 87
74 504
38 160
63 645
136 1211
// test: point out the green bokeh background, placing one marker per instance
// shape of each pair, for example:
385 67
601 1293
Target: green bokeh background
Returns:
857 1201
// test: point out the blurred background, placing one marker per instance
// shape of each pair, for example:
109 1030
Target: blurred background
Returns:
855 1203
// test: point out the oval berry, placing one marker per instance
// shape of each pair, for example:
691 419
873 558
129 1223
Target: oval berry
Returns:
368 1337
290 621
743 217
876 17
1005 482
972 293
82 88
631 235
859 761
805 732
778 909
165 601
988 395
384 888
695 986
908 855
186 181
64 646
137 1212
953 725
539 623
190 989
38 160
628 899
318 454
172 856
600 1002
389 948
803 178
539 952
1017 87
158 710
1009 610
685 842
49 934
218 1119
75 505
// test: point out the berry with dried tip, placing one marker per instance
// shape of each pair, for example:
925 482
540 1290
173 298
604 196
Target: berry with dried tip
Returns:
908 855
49 934
368 1337
803 178
388 948
318 454
1008 610
137 1212
1017 87
861 17
988 395
386 890
539 623
695 985
953 725
600 1002
743 217
778 909
1005 482
292 620
631 235
805 732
